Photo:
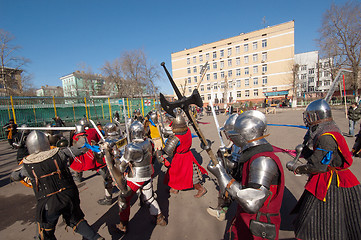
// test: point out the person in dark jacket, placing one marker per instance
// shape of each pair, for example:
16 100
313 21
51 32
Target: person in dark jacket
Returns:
54 187
353 114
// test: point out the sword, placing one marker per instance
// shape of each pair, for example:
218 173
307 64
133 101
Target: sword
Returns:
217 124
96 128
47 128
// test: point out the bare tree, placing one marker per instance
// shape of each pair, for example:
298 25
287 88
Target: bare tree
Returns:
340 39
114 78
10 65
132 74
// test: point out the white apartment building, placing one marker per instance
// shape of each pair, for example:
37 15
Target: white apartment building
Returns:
314 74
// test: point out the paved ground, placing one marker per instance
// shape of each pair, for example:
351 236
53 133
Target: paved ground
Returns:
187 217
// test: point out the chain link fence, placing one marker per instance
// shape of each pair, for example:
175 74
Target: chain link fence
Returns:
39 111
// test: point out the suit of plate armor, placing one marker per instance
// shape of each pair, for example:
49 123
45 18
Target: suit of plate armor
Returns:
137 164
331 190
258 188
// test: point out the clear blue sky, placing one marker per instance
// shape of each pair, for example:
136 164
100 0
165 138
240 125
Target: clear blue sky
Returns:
58 35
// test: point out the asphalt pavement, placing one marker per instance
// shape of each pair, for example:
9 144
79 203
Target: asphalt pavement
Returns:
186 216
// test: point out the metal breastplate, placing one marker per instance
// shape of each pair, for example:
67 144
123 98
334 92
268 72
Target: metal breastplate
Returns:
139 156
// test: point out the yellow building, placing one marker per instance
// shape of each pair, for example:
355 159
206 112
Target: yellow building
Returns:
242 68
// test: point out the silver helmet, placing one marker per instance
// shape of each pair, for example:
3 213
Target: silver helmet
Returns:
229 124
179 124
79 128
154 117
249 129
37 142
136 130
84 122
111 129
316 112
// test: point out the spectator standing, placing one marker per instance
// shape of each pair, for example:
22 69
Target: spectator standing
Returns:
353 114
11 130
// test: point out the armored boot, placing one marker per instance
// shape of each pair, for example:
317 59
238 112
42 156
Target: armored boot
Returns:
160 220
201 190
86 231
105 201
78 176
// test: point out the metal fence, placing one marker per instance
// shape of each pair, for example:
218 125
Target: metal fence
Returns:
39 111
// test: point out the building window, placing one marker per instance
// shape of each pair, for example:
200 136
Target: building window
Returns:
238 83
311 71
246 82
207 56
195 79
264 43
214 65
229 73
214 54
208 77
189 80
222 75
274 89
229 62
238 61
264 80
303 67
215 86
215 76
255 69
303 76
221 53
202 88
194 69
209 97
201 58
230 84
264 56
202 97
188 61
194 59
246 59
327 83
264 68
255 57
229 51
254 45
189 70
239 94
190 89
237 50
222 64
222 85
246 47
311 79
255 81
208 86
238 72
255 92
246 93
246 70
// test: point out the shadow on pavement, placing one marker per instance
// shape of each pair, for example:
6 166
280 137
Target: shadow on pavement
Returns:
288 203
22 203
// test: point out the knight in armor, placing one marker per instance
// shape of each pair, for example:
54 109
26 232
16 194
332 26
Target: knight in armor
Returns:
53 185
230 156
151 124
257 184
330 207
20 145
136 164
93 138
184 172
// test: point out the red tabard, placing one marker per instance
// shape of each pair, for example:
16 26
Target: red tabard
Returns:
240 225
318 184
180 173
86 161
